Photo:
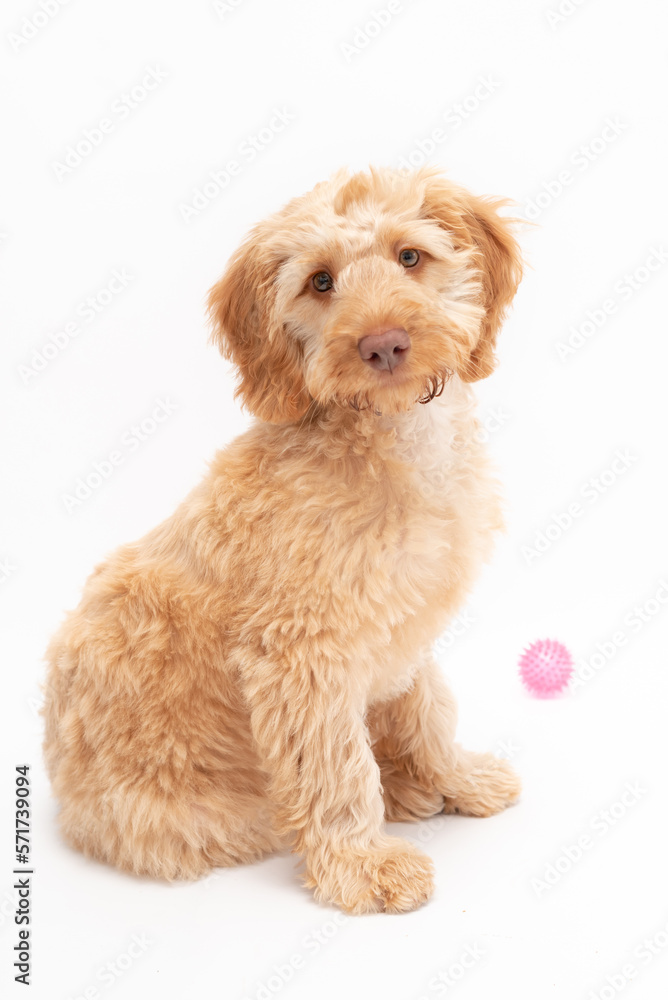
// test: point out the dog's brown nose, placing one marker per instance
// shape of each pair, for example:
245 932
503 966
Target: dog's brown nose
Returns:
385 351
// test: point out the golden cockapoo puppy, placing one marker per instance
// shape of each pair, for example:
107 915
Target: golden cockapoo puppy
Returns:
256 672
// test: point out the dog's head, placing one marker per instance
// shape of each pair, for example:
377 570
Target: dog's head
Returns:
370 291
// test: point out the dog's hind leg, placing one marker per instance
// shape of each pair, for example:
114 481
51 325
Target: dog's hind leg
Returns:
404 797
148 745
413 740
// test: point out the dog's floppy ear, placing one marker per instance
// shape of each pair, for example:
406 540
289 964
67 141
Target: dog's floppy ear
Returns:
248 332
476 225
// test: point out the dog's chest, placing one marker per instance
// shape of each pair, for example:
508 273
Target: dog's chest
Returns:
433 451
446 514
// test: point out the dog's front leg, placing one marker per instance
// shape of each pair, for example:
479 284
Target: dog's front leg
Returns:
423 770
308 723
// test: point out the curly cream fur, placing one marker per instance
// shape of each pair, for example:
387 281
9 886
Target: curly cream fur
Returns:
255 673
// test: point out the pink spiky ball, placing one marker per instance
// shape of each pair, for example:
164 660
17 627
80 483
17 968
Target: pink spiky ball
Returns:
546 667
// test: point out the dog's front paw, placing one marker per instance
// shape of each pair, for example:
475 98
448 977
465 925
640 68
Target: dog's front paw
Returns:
393 876
481 785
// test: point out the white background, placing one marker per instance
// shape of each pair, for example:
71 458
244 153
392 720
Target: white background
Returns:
555 81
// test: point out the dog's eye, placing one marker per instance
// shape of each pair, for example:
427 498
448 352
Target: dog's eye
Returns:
409 258
322 282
